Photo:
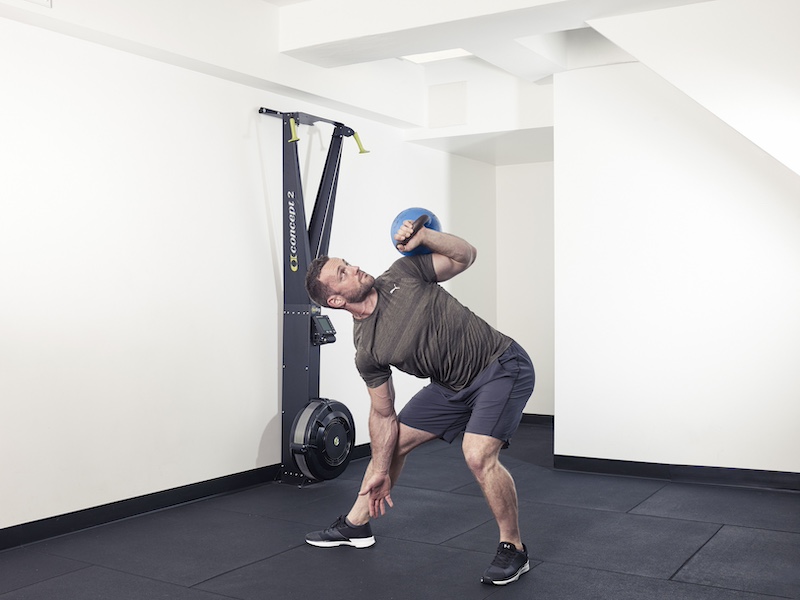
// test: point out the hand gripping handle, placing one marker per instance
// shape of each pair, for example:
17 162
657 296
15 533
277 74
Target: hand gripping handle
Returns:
420 222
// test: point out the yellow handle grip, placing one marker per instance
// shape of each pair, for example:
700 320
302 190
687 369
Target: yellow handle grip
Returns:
293 127
361 149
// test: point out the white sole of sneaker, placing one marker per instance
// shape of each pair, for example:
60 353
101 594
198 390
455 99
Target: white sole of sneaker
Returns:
523 569
357 543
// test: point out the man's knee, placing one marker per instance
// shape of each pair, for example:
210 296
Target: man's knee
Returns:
480 452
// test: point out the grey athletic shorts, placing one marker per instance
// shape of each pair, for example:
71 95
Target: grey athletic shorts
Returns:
491 405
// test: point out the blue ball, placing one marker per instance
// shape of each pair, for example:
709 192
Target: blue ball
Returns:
412 214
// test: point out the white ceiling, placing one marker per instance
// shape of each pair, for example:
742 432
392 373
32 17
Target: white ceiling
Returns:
524 37
499 148
530 40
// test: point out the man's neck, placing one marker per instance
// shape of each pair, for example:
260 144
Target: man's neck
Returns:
365 308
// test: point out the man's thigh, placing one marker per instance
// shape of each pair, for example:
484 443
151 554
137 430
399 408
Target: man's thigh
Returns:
409 438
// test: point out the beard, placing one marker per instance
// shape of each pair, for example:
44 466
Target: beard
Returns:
360 294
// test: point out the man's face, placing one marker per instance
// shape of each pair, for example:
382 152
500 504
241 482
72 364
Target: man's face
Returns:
346 280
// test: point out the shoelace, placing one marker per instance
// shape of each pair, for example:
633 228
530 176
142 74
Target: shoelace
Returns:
505 554
338 523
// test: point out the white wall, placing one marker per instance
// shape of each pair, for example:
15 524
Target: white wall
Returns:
754 86
677 249
139 258
137 307
525 273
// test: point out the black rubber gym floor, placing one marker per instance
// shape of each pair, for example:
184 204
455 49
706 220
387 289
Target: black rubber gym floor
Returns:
589 537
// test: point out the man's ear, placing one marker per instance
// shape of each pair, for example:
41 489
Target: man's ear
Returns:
335 301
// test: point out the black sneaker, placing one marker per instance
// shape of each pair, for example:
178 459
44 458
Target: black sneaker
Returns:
341 533
508 564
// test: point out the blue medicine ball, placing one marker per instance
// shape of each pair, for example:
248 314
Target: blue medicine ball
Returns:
411 214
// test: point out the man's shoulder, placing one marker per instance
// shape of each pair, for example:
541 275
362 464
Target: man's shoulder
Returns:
419 266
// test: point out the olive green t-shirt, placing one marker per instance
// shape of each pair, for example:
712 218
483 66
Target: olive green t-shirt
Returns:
421 329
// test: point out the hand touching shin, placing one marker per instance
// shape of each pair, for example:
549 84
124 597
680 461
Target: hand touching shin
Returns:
378 488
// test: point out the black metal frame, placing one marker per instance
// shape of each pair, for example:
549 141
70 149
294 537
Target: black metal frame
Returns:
301 339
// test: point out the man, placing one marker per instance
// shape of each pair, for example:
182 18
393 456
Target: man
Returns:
480 382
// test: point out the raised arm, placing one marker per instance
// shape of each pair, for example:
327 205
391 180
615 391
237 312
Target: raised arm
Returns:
451 254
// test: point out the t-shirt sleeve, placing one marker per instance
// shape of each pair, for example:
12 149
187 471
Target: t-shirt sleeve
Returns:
419 266
371 372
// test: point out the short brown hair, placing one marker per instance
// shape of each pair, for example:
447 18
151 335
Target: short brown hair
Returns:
317 291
